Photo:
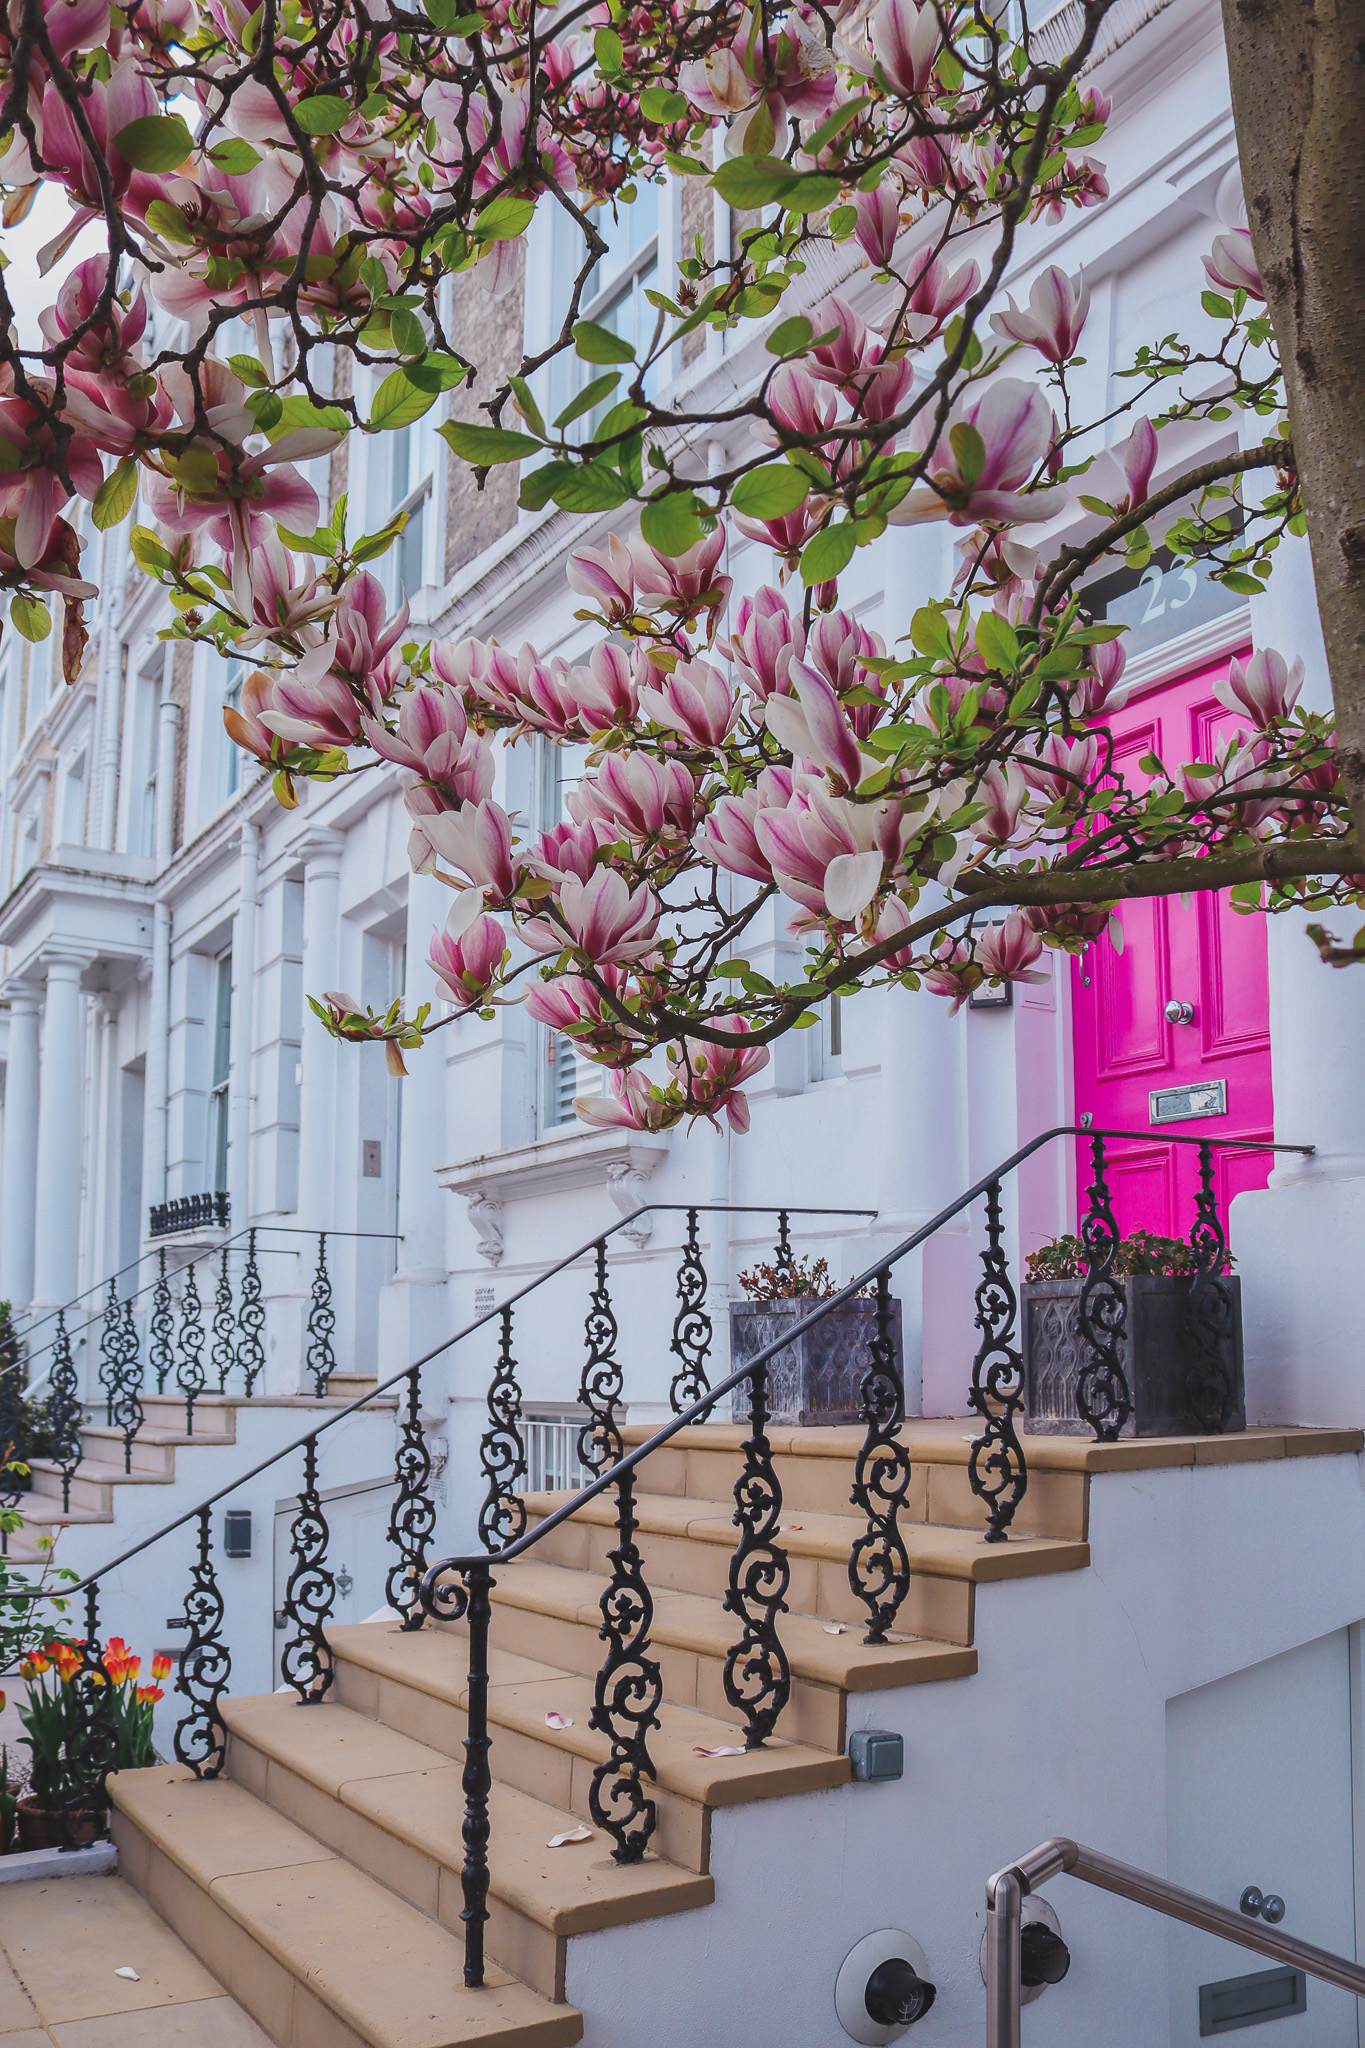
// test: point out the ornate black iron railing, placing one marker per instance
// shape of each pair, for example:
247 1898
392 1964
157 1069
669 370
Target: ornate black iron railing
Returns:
189 1212
628 1692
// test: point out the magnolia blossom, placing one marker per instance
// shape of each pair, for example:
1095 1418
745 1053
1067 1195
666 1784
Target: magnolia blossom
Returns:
1268 686
607 576
605 692
629 1103
468 964
643 798
692 699
603 919
433 739
879 220
1058 306
689 579
1232 264
246 727
935 293
575 1006
1007 951
1122 476
1012 422
828 854
728 836
1065 768
762 645
476 840
906 40
1100 690
711 1076
817 729
1005 793
954 972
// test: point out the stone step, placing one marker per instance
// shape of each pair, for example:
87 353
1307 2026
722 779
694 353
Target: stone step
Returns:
153 1449
92 1483
552 1612
686 1545
417 1684
318 1951
395 1807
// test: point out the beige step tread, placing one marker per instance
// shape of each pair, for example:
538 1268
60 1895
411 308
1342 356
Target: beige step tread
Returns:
692 1621
415 1793
103 1432
933 1548
378 1965
521 1693
100 1474
44 1510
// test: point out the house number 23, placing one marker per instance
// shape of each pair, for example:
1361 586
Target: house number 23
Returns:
1151 581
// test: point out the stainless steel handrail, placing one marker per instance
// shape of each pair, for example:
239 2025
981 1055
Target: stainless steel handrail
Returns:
1008 1888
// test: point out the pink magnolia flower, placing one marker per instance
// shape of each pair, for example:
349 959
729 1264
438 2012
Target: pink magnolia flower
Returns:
1099 690
687 578
642 797
786 536
798 402
1065 768
72 25
1058 306
31 490
817 729
1232 263
935 295
629 1103
1005 793
711 1076
571 1004
694 700
1012 422
905 41
765 639
109 108
603 919
955 973
997 559
727 837
1080 182
1122 475
246 727
570 849
1007 951
717 84
1268 686
893 917
468 964
476 840
607 576
313 706
1067 920
839 359
828 854
479 669
879 218
360 634
605 691
433 739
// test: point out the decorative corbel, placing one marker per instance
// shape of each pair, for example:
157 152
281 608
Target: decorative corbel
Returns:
485 1213
628 1187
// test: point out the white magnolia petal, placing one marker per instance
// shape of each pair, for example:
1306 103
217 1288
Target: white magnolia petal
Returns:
851 881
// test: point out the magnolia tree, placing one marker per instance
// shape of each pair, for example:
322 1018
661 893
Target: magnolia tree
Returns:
933 813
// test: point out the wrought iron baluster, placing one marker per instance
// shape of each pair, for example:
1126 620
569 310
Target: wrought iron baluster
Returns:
996 1467
451 1601
599 1440
220 1357
414 1513
189 1368
1103 1398
90 1745
784 1265
306 1661
1209 1387
879 1564
692 1333
629 1689
162 1327
110 1346
129 1414
502 1451
205 1667
251 1320
64 1410
321 1323
12 1413
757 1676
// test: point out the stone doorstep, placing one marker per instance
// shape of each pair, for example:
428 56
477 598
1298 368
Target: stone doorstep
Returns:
314 1948
22 1867
396 1808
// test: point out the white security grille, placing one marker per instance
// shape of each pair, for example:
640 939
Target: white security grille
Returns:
552 1461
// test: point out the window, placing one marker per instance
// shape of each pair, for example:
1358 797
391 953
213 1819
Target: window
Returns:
71 824
28 846
613 297
141 828
42 669
216 1149
570 1072
223 765
401 467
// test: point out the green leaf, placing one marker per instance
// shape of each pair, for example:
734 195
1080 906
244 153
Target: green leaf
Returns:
591 395
790 337
539 487
158 142
812 193
661 107
299 411
323 114
266 409
828 553
770 492
398 402
760 132
148 551
997 642
436 373
969 449
599 345
487 444
749 182
453 16
1245 586
249 370
837 121
1216 305
30 616
606 48
842 221
234 158
670 524
591 487
526 405
504 218
929 631
169 222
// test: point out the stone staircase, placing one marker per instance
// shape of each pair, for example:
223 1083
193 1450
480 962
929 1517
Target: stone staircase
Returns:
319 1880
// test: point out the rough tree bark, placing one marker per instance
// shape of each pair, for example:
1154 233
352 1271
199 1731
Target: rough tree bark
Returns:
1298 97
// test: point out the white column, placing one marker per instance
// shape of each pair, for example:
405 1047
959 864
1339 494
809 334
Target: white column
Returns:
159 1006
57 1204
317 1049
104 1258
19 1164
113 568
243 1031
413 1315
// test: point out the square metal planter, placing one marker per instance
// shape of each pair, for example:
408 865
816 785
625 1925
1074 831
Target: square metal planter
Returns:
819 1378
1159 1357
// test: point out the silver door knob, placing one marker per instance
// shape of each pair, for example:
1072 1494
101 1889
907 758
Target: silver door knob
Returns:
1178 1013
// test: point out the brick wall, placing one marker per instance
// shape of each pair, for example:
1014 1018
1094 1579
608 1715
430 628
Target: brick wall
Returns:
488 332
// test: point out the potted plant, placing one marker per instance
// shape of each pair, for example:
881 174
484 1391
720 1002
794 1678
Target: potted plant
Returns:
818 1378
64 1804
1181 1349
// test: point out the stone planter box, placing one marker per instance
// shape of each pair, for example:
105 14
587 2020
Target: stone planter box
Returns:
1158 1354
819 1378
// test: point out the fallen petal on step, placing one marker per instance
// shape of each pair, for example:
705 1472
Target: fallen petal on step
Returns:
129 1972
554 1719
570 1835
835 1628
727 1749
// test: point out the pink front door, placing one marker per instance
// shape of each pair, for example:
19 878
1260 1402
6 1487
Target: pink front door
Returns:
1132 1061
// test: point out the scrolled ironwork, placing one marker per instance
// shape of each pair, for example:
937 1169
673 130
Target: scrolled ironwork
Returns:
502 1451
221 1354
757 1675
1209 1387
306 1660
1103 1397
600 1443
12 1412
205 1667
64 1410
414 1512
996 1468
90 1745
879 1563
110 1349
129 1414
784 1265
321 1359
477 1780
627 1695
250 1320
189 1366
161 1328
692 1331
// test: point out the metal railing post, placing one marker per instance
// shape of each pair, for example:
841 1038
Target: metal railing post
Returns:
1004 1991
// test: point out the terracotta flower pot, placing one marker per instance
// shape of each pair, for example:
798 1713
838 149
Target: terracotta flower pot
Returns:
47 1827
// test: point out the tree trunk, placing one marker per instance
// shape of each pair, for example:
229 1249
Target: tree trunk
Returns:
1298 97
